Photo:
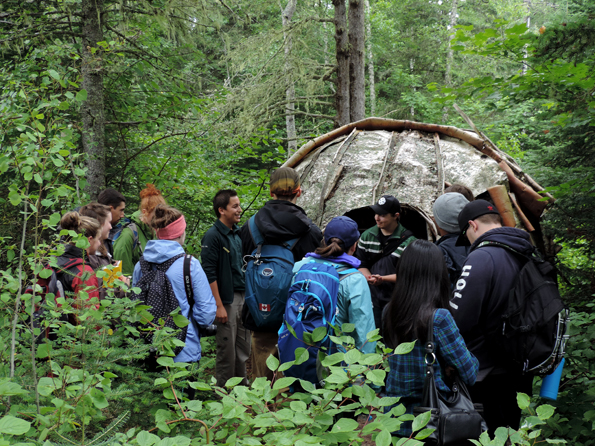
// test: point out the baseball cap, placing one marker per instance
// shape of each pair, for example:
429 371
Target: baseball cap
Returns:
343 228
471 211
285 181
387 204
446 210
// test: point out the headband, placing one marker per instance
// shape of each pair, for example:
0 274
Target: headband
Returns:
172 231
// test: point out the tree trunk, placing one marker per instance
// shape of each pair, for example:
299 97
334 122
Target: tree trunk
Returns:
411 65
357 72
528 22
370 61
286 16
342 54
449 53
92 109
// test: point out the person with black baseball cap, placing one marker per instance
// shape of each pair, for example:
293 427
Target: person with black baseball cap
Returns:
380 249
480 299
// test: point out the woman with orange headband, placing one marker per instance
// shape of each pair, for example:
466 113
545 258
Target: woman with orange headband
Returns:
170 226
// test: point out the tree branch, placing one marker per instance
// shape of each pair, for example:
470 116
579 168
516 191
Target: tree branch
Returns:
144 149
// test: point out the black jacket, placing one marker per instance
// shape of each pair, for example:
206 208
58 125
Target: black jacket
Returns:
481 293
279 221
454 256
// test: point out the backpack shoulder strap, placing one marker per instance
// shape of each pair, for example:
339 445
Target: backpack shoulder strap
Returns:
168 263
505 246
290 244
254 232
72 263
346 271
391 247
188 282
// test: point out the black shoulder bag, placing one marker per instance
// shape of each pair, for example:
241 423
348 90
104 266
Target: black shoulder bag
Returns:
455 419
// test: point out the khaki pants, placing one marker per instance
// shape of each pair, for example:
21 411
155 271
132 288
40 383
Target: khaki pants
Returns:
233 343
263 345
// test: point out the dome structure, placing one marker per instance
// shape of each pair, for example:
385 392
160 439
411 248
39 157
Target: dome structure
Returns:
346 170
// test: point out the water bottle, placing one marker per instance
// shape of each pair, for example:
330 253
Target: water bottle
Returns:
550 384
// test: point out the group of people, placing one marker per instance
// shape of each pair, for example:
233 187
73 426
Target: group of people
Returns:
402 284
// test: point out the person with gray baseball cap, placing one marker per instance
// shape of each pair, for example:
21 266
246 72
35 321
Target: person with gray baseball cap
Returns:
446 210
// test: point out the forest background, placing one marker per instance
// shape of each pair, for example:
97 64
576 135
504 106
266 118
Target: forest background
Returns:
199 96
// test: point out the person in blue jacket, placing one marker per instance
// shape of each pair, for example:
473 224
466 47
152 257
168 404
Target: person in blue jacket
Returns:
354 302
170 226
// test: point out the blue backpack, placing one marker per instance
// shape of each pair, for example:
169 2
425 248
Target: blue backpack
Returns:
123 224
312 303
269 271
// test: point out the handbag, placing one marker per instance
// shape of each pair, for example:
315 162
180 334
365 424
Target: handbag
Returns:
455 419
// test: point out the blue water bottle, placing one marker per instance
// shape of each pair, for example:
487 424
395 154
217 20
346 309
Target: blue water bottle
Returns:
550 384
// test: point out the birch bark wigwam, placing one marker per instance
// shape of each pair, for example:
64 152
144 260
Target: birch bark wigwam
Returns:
92 110
344 170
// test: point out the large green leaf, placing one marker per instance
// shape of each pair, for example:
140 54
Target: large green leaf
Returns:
13 426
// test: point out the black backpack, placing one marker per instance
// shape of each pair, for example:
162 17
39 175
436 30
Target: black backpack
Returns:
156 291
535 323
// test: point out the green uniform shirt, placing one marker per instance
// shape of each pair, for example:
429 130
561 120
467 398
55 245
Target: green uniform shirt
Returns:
221 259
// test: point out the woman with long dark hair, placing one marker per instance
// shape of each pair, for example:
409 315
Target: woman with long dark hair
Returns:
422 292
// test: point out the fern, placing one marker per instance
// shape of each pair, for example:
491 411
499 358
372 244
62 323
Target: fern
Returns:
108 433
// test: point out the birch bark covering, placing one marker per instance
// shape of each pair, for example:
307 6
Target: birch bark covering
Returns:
357 72
286 16
411 172
342 54
92 109
371 60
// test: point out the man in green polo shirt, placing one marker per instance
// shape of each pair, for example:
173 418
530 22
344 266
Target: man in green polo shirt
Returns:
221 259
380 249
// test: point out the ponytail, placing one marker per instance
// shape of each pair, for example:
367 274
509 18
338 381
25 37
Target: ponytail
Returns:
335 248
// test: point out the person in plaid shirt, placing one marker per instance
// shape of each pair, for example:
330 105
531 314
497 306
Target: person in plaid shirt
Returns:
423 287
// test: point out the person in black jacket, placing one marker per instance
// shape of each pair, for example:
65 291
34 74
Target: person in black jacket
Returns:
446 210
480 298
279 221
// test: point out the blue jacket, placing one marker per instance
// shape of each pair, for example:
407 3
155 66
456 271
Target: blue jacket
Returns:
203 312
353 302
481 293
